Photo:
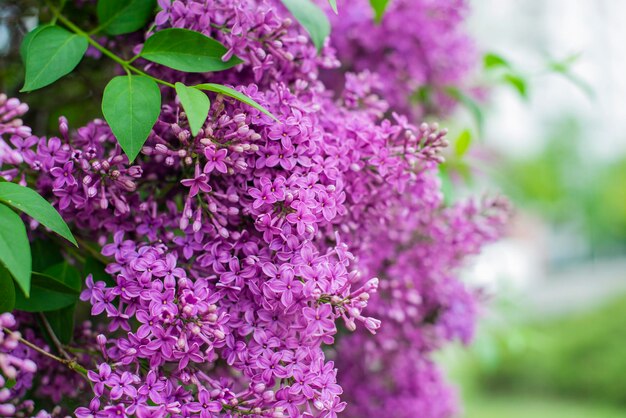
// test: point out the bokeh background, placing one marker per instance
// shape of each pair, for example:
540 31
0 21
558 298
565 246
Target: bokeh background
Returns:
552 342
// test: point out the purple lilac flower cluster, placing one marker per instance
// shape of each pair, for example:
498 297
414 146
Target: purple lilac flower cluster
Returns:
25 370
419 44
422 306
15 364
238 257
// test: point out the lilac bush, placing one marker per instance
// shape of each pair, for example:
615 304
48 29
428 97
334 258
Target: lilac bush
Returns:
298 267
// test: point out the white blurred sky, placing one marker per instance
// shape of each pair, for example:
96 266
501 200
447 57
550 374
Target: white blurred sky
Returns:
527 32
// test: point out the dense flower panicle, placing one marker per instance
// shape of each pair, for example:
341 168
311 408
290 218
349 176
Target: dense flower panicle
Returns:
11 126
419 44
22 367
14 365
236 256
422 306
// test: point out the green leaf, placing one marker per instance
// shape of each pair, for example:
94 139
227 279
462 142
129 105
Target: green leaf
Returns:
187 50
35 206
312 18
379 7
118 17
62 323
227 91
7 291
518 83
43 299
48 282
491 60
462 143
27 40
65 274
56 288
52 53
333 5
196 105
469 103
14 247
131 106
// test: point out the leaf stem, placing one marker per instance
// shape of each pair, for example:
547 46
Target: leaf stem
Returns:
125 64
130 61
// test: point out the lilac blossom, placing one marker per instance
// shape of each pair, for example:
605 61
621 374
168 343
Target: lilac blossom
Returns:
234 257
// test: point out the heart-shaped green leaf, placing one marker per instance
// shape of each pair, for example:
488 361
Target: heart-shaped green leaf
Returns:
118 17
35 206
312 18
52 52
227 91
196 105
131 106
187 50
14 247
27 39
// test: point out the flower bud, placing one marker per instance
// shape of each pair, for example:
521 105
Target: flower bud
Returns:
219 334
268 395
350 324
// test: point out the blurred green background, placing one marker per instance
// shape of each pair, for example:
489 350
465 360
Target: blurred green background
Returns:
552 340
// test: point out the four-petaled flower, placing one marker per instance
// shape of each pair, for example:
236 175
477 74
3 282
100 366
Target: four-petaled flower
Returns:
215 159
200 182
205 406
63 175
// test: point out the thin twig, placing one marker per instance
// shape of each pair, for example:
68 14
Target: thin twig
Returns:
71 364
105 51
53 337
